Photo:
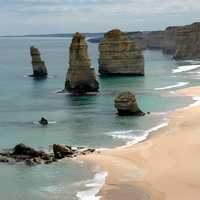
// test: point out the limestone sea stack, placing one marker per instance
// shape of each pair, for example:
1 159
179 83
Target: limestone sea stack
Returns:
119 55
39 67
126 104
81 78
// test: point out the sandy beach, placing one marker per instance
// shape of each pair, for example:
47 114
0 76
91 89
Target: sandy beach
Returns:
166 166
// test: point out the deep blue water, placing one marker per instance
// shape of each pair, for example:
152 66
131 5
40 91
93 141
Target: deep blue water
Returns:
89 120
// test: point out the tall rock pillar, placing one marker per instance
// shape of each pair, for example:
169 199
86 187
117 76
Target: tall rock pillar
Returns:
81 78
39 67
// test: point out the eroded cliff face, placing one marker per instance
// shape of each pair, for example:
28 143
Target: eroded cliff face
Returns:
188 42
183 42
169 40
119 55
147 40
140 39
155 39
81 78
39 67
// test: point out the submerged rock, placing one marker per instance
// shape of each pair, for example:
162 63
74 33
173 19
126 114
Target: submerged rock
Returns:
81 78
126 105
30 156
39 67
43 121
22 149
26 154
119 55
62 151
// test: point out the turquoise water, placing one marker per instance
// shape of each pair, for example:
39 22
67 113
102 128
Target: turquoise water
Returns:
89 120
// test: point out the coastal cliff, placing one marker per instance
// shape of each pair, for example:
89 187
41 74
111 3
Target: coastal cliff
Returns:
169 40
81 78
119 55
182 42
188 42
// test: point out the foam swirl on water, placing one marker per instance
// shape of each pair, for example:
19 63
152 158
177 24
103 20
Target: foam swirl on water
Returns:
94 186
185 68
180 84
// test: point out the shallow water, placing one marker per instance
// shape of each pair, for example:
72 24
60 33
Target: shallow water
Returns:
88 120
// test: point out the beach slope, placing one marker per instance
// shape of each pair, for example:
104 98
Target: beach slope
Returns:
166 166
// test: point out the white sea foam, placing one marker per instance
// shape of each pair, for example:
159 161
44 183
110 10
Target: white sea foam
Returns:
125 135
185 68
51 122
180 84
53 189
197 101
156 128
192 61
93 186
136 136
138 139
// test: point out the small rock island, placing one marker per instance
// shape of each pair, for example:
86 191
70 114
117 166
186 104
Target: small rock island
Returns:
81 78
119 55
126 105
39 66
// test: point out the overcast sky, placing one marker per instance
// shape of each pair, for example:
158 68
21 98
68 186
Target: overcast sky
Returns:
60 16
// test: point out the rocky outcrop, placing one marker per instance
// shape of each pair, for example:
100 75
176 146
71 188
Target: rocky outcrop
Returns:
26 154
43 121
39 67
30 156
81 78
188 42
62 151
119 55
126 105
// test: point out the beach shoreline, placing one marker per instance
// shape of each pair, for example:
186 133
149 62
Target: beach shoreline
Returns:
166 166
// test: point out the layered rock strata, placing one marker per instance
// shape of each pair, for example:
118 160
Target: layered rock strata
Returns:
126 104
39 67
119 55
188 42
81 78
183 42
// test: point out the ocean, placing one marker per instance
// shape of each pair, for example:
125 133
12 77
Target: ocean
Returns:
88 121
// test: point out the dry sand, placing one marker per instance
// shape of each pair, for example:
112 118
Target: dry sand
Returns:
166 166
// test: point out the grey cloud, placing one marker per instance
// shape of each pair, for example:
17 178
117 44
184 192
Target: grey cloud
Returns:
94 15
